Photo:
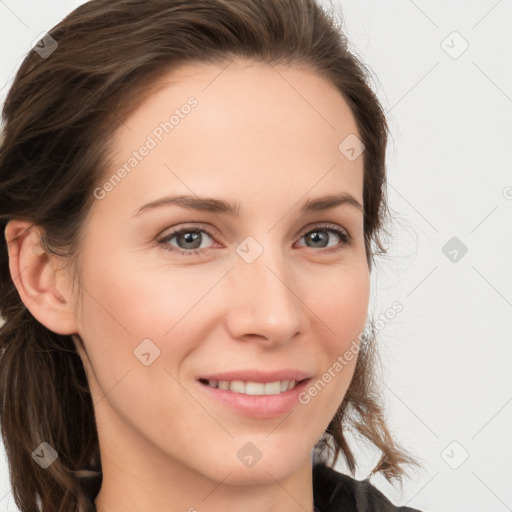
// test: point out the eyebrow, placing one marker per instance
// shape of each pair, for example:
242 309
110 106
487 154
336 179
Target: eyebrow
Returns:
213 205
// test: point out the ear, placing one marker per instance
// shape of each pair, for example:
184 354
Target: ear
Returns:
43 287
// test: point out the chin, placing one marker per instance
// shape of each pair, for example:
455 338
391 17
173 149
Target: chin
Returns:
266 470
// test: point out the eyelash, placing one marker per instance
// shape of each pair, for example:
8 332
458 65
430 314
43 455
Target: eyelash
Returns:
162 241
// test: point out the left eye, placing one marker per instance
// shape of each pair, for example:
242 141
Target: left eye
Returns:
191 239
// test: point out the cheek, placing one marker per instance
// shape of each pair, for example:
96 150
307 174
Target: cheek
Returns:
344 305
128 302
133 362
344 311
138 324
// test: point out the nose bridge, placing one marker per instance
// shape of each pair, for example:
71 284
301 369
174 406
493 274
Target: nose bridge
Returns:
264 300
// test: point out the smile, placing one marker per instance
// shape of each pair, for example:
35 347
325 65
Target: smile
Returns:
252 388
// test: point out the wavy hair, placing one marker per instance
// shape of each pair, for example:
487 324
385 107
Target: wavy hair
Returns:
57 122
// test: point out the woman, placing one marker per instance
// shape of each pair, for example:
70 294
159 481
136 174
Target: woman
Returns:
191 196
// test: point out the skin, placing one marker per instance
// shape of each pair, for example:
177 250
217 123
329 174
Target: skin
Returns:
264 137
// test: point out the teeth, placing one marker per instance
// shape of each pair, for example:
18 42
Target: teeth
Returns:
237 386
254 388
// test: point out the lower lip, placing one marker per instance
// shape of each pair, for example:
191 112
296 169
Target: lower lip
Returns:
257 406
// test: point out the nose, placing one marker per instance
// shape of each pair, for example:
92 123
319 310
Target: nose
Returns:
265 302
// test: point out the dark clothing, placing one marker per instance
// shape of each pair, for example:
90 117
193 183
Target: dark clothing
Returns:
332 492
336 492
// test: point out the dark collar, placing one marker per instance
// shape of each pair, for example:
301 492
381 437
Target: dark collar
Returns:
337 492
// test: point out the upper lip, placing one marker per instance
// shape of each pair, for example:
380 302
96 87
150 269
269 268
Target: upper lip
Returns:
254 375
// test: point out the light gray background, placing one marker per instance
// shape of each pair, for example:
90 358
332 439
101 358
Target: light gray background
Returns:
447 355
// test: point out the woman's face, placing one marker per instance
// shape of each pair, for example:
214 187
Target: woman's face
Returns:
268 289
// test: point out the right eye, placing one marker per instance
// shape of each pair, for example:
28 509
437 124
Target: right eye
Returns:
187 236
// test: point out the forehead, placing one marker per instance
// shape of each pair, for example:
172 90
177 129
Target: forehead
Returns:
212 128
255 93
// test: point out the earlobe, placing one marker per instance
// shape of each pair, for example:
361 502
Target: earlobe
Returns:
42 288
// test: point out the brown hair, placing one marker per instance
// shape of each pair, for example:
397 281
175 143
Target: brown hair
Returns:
57 123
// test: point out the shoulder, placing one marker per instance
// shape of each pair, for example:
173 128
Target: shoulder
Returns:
336 492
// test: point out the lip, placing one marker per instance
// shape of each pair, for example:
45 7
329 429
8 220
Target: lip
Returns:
254 375
256 406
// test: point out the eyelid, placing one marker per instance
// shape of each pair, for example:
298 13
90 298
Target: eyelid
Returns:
194 227
210 230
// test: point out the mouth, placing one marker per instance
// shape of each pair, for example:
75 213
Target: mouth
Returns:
262 400
253 388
